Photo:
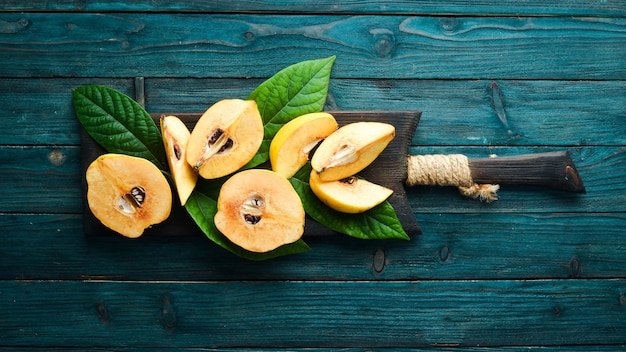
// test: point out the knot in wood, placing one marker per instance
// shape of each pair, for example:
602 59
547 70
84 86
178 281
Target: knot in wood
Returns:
384 43
449 25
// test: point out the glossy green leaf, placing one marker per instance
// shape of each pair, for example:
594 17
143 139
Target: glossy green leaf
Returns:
118 123
380 222
203 208
296 90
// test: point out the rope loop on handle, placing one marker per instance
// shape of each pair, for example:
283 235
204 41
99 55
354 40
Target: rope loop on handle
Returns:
448 170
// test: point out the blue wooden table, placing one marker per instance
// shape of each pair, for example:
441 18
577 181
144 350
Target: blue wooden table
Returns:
538 268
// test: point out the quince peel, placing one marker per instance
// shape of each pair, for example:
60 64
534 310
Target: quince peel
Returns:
290 147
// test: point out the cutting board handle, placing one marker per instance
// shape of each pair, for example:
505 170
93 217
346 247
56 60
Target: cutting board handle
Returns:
554 170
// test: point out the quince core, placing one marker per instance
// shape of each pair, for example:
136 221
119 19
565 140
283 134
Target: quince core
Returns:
350 149
127 194
259 210
225 138
293 142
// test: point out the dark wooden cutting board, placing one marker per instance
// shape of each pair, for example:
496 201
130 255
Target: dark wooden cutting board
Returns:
389 170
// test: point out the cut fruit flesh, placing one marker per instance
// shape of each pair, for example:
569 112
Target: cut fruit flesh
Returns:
127 194
293 142
175 138
349 195
225 138
350 149
259 211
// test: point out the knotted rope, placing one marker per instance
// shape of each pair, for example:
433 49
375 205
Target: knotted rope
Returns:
448 170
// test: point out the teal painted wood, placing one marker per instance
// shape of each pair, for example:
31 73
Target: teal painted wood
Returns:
39 111
453 246
562 7
205 45
25 169
40 179
316 314
47 179
438 347
537 270
454 112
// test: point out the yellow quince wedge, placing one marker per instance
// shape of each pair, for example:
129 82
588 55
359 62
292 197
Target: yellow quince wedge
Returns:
350 149
175 137
350 194
293 142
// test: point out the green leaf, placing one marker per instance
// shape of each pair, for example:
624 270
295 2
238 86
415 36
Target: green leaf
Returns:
118 123
202 209
380 222
296 90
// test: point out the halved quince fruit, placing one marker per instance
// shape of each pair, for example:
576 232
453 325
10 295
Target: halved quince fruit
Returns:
127 194
225 138
293 142
175 138
350 194
350 149
259 210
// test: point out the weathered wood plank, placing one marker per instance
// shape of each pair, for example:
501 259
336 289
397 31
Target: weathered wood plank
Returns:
510 7
438 347
39 111
47 179
282 314
537 270
481 112
501 112
40 179
453 247
206 45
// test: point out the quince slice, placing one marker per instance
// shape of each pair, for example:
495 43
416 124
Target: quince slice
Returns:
259 210
175 138
350 149
225 138
127 194
293 142
349 195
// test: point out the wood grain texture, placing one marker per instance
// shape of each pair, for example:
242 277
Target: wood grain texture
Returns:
536 271
439 347
455 112
472 246
40 179
40 110
204 45
510 7
554 170
316 314
24 169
